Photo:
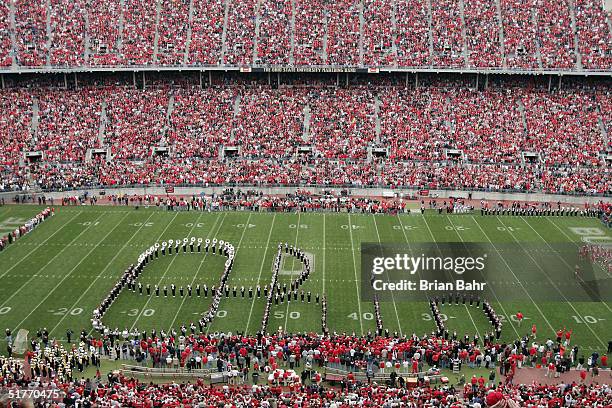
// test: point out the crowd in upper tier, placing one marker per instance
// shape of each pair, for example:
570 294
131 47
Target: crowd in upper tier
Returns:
443 135
531 34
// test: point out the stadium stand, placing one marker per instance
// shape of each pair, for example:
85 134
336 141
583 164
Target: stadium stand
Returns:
500 138
505 34
401 130
31 32
67 39
413 45
594 36
5 36
483 39
50 366
105 32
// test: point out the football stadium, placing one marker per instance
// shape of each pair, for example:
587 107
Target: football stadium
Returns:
305 203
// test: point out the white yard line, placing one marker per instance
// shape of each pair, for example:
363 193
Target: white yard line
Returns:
197 270
563 259
399 325
508 316
574 241
550 280
323 262
42 243
514 275
437 246
195 275
101 273
350 228
297 233
399 218
72 270
167 269
64 247
246 226
263 261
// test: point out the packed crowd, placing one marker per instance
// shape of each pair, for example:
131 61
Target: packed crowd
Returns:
335 174
520 34
5 36
48 365
497 139
68 21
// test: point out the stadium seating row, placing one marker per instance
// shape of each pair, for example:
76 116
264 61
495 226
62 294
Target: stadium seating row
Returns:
529 34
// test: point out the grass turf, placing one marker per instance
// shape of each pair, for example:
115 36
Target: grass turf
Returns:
55 276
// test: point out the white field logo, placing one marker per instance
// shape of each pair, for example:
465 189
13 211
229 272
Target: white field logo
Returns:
414 264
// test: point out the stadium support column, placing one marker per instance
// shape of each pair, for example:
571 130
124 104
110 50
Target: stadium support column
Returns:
2 80
134 78
477 81
209 78
76 81
65 81
549 82
144 81
416 80
406 80
560 76
486 81
200 79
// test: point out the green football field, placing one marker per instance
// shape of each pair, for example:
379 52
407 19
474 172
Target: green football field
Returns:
55 276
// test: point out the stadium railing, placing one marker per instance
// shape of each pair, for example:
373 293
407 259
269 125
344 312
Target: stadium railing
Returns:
166 371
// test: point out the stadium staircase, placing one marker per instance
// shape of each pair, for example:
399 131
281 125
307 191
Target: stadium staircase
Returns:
361 27
292 25
121 26
156 38
168 121
573 25
257 30
450 125
502 39
48 22
394 32
87 38
602 125
377 125
521 109
224 33
538 55
12 30
306 124
466 52
103 123
235 116
189 33
429 21
35 119
325 38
